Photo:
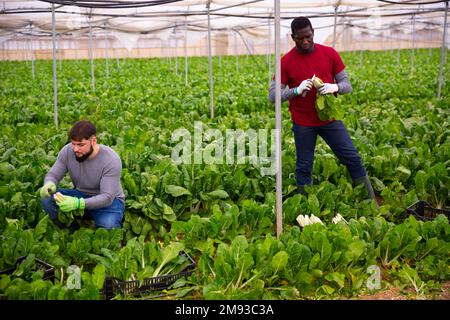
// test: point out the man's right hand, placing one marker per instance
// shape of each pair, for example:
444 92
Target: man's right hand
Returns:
47 189
306 85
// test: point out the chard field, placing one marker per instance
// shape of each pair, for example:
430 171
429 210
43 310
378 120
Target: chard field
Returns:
222 214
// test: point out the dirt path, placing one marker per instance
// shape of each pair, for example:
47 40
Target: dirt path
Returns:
408 294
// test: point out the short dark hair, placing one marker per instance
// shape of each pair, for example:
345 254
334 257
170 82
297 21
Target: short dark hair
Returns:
82 130
300 23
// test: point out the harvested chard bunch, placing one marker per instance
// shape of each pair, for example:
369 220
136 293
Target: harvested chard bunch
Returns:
327 106
66 217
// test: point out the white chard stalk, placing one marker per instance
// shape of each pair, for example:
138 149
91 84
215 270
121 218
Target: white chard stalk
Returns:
58 197
301 220
338 219
315 219
304 220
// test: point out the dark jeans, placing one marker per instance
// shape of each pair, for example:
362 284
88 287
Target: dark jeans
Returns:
108 217
336 136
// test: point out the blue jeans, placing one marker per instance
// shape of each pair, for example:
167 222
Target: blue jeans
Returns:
108 217
336 136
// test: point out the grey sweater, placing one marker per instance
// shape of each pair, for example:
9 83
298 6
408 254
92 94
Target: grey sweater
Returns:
98 177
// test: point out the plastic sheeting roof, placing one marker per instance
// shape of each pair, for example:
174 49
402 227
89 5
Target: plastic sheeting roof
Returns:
164 18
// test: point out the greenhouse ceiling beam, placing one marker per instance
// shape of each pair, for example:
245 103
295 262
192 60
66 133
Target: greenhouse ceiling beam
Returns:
235 5
329 15
192 27
129 5
196 29
112 4
261 16
166 13
388 26
412 2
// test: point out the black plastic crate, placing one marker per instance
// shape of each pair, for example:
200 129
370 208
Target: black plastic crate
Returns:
421 210
49 270
113 286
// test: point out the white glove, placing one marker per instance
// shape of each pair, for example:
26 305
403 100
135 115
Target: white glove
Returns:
306 85
327 88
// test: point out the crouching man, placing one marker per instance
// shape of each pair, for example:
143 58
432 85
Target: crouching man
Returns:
95 171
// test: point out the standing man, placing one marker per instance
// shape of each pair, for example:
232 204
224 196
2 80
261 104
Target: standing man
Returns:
95 171
297 68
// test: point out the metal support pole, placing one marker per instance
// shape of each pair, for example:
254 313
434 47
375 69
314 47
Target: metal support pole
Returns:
443 52
59 52
391 42
431 42
91 55
176 54
32 56
236 53
106 54
445 45
117 58
185 53
169 52
279 182
360 57
398 49
334 27
211 89
269 56
55 85
413 42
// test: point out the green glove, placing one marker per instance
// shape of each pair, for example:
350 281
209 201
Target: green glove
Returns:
68 204
48 188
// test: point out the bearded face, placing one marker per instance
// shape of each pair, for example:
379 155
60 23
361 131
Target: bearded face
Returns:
82 149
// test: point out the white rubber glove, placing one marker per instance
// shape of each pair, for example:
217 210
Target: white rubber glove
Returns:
306 85
327 88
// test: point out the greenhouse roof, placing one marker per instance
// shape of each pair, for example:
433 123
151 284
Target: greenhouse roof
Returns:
164 18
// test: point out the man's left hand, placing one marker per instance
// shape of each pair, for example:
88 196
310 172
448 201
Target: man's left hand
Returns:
71 203
327 88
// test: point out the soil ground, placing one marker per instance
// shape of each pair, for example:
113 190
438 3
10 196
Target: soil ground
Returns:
408 294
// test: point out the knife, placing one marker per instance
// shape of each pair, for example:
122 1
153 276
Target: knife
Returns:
305 92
